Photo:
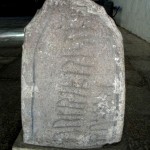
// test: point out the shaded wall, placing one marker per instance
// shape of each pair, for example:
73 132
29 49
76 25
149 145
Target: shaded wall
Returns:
135 16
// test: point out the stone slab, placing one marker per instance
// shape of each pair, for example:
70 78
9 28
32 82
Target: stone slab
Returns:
20 145
73 82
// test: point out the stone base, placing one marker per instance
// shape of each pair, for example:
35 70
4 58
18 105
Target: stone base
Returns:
20 145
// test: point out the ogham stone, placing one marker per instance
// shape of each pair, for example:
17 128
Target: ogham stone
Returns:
73 82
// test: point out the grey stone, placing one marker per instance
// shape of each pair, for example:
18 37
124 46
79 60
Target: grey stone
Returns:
73 88
20 145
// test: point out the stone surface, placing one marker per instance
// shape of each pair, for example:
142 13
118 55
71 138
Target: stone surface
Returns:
73 89
20 145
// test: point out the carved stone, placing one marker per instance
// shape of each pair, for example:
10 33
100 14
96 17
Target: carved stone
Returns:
73 89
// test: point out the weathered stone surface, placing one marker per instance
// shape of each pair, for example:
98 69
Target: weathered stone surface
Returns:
20 145
73 88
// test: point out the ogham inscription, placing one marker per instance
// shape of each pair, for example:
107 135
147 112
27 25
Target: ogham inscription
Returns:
78 77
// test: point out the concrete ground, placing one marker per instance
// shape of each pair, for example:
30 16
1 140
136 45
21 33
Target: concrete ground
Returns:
137 118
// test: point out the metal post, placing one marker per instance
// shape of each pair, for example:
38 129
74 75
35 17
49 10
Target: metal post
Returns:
11 37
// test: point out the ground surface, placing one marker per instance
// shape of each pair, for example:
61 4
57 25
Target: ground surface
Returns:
137 118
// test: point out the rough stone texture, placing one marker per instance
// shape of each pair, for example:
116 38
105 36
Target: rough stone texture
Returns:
73 89
20 145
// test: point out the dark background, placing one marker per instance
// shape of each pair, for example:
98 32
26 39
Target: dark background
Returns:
22 8
11 8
